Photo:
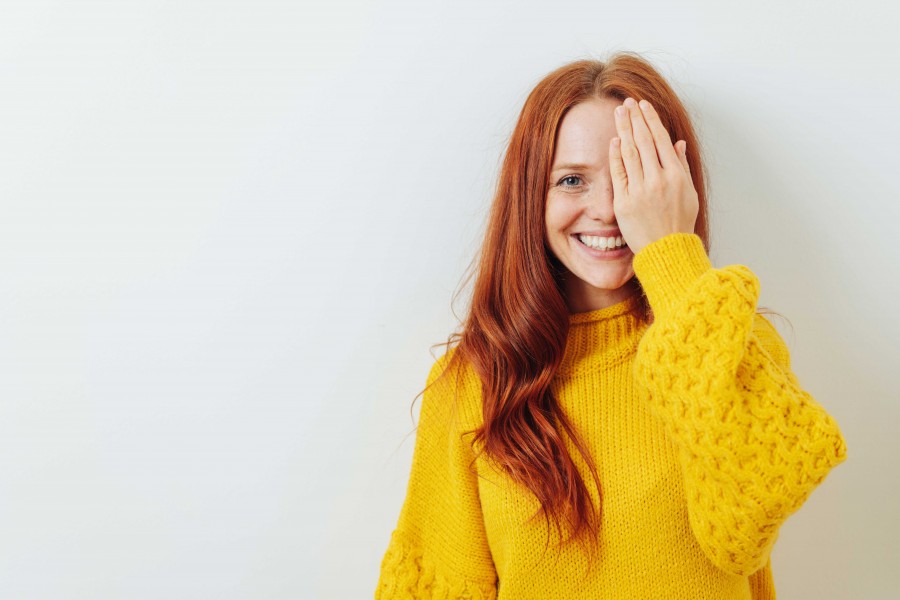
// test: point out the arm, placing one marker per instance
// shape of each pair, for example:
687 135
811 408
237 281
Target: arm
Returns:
752 443
439 548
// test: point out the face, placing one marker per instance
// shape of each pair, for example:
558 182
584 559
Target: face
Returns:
580 201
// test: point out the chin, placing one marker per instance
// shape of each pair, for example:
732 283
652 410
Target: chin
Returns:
612 280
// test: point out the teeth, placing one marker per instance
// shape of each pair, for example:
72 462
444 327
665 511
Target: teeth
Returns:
602 243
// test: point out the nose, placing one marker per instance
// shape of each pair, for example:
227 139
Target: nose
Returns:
600 203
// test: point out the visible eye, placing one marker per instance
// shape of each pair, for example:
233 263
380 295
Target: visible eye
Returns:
567 178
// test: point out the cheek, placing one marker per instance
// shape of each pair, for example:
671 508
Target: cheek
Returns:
556 217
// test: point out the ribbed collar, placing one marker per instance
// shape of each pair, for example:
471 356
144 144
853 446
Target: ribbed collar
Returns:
609 312
601 338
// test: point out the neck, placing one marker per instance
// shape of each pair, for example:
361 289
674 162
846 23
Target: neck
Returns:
583 298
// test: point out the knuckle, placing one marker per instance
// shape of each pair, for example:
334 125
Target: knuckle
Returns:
654 183
671 176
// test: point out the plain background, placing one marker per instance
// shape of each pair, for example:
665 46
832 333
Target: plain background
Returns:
231 232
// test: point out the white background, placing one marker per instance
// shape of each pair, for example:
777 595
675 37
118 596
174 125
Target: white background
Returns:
230 232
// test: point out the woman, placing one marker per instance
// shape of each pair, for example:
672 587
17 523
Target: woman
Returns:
634 396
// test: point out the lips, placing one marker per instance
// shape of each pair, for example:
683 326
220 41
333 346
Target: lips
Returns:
612 233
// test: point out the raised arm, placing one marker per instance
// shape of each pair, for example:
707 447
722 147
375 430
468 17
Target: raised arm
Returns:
752 442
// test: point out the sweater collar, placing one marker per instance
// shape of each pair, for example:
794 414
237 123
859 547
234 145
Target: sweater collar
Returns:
613 311
601 338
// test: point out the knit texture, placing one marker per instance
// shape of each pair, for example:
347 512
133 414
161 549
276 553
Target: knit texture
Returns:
703 439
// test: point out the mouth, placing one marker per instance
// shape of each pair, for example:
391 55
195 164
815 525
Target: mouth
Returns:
616 251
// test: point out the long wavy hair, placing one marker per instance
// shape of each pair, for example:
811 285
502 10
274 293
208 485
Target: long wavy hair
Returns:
515 333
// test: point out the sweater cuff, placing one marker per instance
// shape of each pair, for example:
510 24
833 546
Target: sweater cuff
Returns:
668 266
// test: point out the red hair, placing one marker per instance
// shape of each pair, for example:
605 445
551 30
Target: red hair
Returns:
514 336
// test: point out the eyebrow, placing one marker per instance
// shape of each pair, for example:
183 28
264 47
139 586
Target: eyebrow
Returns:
572 167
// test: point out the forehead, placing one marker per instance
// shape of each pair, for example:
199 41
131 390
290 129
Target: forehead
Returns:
585 131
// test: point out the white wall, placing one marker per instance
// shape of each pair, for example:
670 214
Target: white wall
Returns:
230 232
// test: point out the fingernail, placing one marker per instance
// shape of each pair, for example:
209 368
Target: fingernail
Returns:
620 110
630 101
644 104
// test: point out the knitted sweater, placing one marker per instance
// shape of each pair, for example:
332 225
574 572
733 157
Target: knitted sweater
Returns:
703 439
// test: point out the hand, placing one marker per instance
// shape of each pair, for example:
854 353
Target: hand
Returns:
653 194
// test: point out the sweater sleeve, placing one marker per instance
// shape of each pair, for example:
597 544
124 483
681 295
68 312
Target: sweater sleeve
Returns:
752 443
439 548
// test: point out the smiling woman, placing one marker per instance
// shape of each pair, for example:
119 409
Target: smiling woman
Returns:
580 219
636 397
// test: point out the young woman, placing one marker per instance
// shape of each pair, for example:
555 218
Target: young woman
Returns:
608 378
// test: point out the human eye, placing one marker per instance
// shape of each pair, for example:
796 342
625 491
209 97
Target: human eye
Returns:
567 178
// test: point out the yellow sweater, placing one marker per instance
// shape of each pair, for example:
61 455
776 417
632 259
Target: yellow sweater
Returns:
703 439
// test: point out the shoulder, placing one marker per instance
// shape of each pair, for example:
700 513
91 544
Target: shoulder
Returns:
453 391
451 371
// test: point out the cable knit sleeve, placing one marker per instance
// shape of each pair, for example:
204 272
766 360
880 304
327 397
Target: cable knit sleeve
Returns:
439 548
752 443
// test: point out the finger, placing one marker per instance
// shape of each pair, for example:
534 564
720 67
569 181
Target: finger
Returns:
617 168
630 155
663 141
643 139
682 157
